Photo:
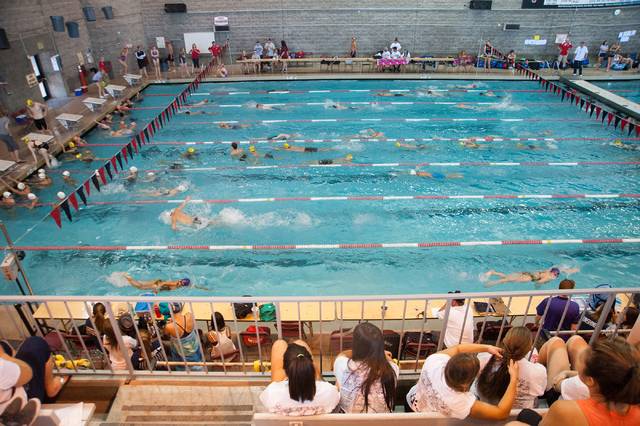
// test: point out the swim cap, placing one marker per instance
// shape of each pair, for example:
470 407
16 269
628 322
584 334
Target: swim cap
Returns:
252 148
461 143
71 144
79 156
31 196
61 195
6 194
108 115
122 122
65 173
519 144
133 123
220 124
87 152
41 171
398 144
191 150
112 132
412 172
182 188
26 139
21 186
555 271
29 102
618 143
186 282
151 174
349 157
75 138
133 169
286 146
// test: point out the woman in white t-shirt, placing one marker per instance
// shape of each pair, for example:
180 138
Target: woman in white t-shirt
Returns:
297 388
221 342
366 375
494 377
563 361
116 353
445 383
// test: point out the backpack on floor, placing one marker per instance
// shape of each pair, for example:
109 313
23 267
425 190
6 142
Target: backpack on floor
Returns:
599 299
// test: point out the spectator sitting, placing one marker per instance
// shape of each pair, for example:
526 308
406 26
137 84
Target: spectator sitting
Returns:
221 341
152 348
304 393
98 311
396 44
494 376
244 66
624 60
407 56
376 57
367 376
556 310
395 54
117 354
256 65
455 333
31 368
275 57
445 383
590 320
610 371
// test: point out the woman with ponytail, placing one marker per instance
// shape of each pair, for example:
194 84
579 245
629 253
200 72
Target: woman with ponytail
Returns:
98 318
494 378
366 375
297 388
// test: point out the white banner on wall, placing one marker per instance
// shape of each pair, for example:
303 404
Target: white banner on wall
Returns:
534 42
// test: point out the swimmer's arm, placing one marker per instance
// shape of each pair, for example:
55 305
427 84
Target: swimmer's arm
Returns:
570 271
33 204
173 223
8 186
278 148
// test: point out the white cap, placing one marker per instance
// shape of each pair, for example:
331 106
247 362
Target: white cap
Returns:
21 186
41 171
42 175
182 188
65 173
151 174
412 172
133 169
98 172
7 194
61 195
31 196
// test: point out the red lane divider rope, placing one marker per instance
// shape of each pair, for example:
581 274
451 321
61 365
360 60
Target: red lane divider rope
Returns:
333 246
276 92
381 119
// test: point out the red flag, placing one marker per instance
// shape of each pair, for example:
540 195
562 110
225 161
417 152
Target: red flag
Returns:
637 131
598 111
135 146
113 163
142 136
74 201
124 154
55 214
150 130
86 187
610 118
157 124
588 106
102 176
624 123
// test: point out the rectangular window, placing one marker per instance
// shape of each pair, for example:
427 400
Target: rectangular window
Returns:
34 64
43 90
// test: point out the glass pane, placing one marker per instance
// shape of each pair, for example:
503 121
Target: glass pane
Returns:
34 64
43 91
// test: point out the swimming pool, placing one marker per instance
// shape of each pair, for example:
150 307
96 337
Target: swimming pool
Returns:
125 215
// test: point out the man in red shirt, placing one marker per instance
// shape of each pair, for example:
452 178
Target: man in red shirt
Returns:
564 52
103 69
215 51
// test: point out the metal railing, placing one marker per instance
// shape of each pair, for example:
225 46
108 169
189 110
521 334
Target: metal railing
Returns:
59 319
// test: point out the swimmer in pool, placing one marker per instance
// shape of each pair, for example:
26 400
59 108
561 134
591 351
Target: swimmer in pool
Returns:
198 104
468 86
619 144
191 154
79 142
234 126
21 189
132 176
103 125
269 107
470 144
34 200
178 217
238 152
70 149
548 145
394 95
162 192
150 177
42 181
88 158
68 180
257 155
372 135
121 133
342 160
539 277
344 108
287 147
490 94
7 199
435 175
411 146
475 108
160 285
201 112
282 137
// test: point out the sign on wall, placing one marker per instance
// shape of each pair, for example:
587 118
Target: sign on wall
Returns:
32 80
160 43
539 4
220 20
535 42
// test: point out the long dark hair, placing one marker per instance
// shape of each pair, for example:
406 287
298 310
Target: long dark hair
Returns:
112 340
614 366
98 317
368 348
493 384
298 365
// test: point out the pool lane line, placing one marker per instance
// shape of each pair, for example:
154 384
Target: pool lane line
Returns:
294 166
286 92
331 120
267 141
367 198
360 103
333 246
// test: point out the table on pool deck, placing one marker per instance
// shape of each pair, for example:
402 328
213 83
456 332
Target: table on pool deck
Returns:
78 311
69 121
115 90
132 79
38 137
94 104
360 61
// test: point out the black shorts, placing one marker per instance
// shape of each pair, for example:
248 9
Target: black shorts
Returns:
196 62
35 351
551 396
602 54
311 150
169 58
41 123
325 162
197 221
10 143
268 156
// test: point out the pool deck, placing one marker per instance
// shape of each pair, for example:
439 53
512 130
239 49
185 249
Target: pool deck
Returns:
611 100
62 136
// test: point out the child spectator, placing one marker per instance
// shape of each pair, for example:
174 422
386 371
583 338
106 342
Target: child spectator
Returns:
221 341
117 354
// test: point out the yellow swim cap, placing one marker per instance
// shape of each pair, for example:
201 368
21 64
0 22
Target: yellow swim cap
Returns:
71 144
461 143
252 148
26 139
349 157
191 150
87 152
618 143
29 102
397 143
79 156
286 146
518 144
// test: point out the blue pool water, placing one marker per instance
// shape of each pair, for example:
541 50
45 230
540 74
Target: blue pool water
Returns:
347 271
